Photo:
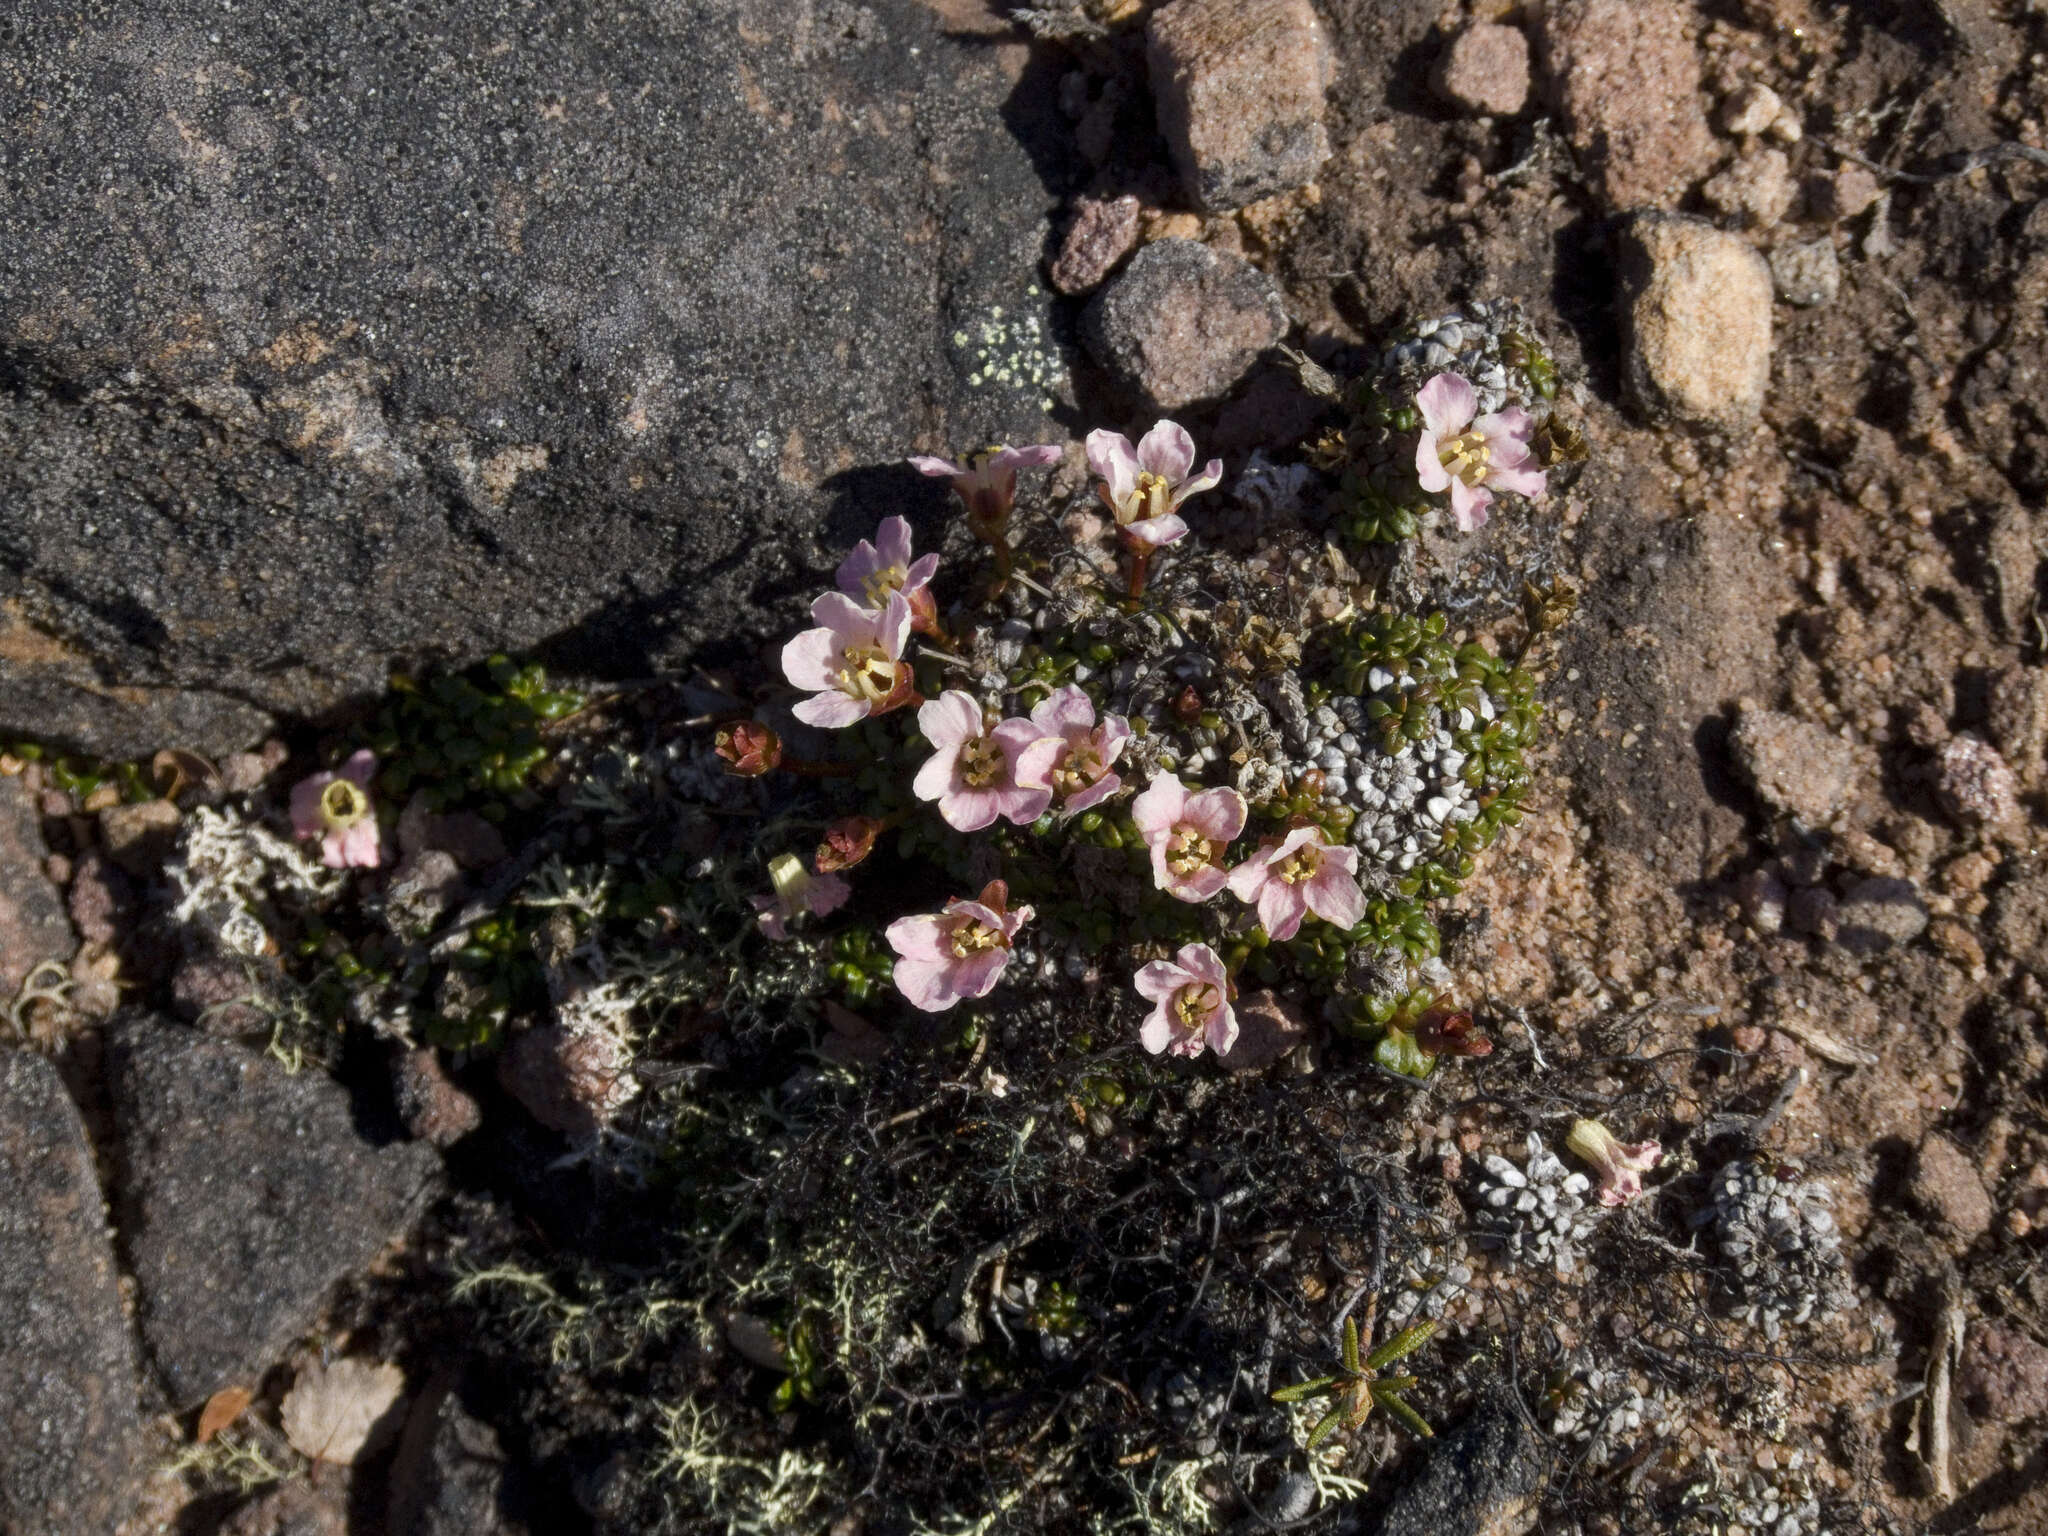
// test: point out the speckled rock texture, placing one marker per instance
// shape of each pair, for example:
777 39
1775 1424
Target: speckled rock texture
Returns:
1183 323
1798 768
1482 1479
1625 77
245 1193
70 1435
1696 321
1239 87
33 925
337 337
451 1476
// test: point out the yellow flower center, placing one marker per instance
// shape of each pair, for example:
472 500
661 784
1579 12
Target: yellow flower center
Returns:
1465 457
973 937
882 584
981 763
1154 497
1192 1005
343 804
868 674
1187 851
1300 865
1078 768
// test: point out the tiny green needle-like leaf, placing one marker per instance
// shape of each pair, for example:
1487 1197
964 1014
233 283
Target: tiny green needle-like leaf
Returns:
1410 1420
1302 1389
1406 1342
1325 1426
1351 1364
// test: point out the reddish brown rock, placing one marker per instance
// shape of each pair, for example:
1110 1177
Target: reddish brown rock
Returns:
2004 1374
1239 87
1485 71
1947 1187
1183 323
434 1109
1974 783
1104 232
1268 1027
1625 77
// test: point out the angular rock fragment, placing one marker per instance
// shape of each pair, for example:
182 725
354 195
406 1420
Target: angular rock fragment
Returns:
70 1436
1485 1478
1183 323
33 927
1239 86
1798 768
1625 77
1104 232
1485 70
1696 321
245 1193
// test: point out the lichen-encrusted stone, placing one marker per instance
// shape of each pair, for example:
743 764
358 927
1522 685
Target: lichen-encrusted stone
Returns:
1696 321
1798 768
245 1192
71 1449
33 927
1485 70
1183 323
1626 79
1239 86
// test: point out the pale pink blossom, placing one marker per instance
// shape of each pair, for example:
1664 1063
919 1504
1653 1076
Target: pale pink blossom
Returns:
1472 459
1297 874
797 891
1144 487
959 952
1191 1008
874 571
1188 835
335 807
1621 1166
1073 757
987 482
852 663
974 770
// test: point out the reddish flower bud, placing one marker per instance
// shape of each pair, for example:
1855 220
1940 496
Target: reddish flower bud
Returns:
749 748
847 842
1450 1032
1187 705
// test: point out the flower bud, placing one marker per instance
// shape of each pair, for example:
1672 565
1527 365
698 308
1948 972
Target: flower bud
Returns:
749 748
1621 1166
847 841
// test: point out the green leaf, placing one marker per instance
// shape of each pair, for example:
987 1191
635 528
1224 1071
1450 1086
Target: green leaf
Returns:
1351 1346
1409 1419
1406 1342
1302 1389
1324 1426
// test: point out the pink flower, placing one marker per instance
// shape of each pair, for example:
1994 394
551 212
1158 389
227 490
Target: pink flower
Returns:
1621 1167
987 483
853 662
973 773
1144 488
797 891
874 571
1300 873
1191 1008
1072 756
1472 459
335 807
960 952
1188 835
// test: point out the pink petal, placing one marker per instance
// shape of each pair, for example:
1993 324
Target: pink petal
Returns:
1026 803
360 768
926 984
1158 807
969 810
1532 483
1110 459
1221 1030
1506 433
978 974
1167 451
830 711
1064 709
771 917
843 616
935 776
306 804
922 937
828 893
1218 814
1447 403
1429 464
1157 1032
1159 981
1335 897
1211 475
1281 907
1035 457
920 574
1094 794
1018 917
1016 734
1203 964
951 719
1037 761
893 631
811 661
1111 737
1251 877
854 571
892 541
1193 888
1157 531
1468 506
926 464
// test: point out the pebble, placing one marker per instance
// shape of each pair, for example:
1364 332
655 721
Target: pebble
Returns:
1239 86
1625 77
1750 109
1805 273
1103 233
1183 323
1946 1185
33 925
138 837
1696 316
1758 188
1485 71
1878 912
1798 768
1973 782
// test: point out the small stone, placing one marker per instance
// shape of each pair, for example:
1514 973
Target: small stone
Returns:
1625 77
1974 784
451 1477
1183 323
1239 89
1485 71
1268 1027
1104 232
2004 1374
33 925
1696 319
2019 919
1844 194
1758 188
100 898
1798 768
292 1509
225 995
1946 1185
243 773
1876 913
71 1448
1485 1478
246 1192
423 887
1806 273
572 1081
138 837
1763 897
434 1109
1750 109
2016 715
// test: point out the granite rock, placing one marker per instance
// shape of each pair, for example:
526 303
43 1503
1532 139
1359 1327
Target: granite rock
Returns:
1696 321
1183 323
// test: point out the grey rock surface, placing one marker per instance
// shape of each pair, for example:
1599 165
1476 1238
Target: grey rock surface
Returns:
451 1476
245 1193
1878 912
1483 1479
344 337
70 1436
1182 323
33 924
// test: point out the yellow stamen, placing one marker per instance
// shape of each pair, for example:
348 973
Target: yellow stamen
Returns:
868 674
1153 498
1188 851
981 762
883 584
972 938
1192 1005
1465 457
1078 768
1300 865
343 804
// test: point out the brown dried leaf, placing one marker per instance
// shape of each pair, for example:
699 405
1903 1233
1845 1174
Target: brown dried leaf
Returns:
333 1411
176 770
221 1410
